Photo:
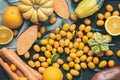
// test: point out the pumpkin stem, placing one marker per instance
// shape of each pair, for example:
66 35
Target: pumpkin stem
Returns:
35 6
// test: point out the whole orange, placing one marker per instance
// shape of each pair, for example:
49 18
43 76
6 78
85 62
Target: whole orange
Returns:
52 73
11 17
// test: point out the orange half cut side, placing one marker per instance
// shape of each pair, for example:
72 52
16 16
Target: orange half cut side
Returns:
6 35
112 25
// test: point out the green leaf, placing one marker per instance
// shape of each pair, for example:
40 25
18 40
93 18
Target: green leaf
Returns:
81 75
95 29
55 58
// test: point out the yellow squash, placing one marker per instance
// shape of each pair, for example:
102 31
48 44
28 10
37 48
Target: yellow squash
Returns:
36 10
88 7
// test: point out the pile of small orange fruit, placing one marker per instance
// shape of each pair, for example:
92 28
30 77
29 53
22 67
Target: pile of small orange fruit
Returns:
72 43
109 12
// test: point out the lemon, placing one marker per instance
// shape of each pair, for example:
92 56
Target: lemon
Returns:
112 25
6 35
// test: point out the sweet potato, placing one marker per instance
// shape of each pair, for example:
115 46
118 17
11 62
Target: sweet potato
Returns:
108 74
37 74
6 67
26 39
61 8
7 54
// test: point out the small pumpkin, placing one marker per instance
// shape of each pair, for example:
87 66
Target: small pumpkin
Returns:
36 10
52 73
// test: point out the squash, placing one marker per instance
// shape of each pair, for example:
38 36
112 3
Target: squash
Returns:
52 73
36 10
88 7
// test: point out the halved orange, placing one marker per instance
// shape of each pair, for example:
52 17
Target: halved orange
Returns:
6 35
112 25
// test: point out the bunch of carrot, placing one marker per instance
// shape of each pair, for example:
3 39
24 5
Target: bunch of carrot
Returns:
9 57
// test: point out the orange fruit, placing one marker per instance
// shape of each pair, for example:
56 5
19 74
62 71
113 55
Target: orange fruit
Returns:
52 73
11 17
112 25
6 35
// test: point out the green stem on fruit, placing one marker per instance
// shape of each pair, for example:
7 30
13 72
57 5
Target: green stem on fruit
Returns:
109 44
81 74
94 29
105 44
97 69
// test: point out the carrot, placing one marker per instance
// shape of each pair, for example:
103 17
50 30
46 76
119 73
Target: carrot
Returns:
26 39
18 72
37 74
6 67
19 65
5 58
61 8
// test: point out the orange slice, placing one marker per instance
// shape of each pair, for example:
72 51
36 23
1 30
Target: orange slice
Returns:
112 25
6 35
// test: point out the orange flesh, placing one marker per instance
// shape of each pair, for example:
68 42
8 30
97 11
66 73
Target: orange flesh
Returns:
26 39
5 35
61 8
113 25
